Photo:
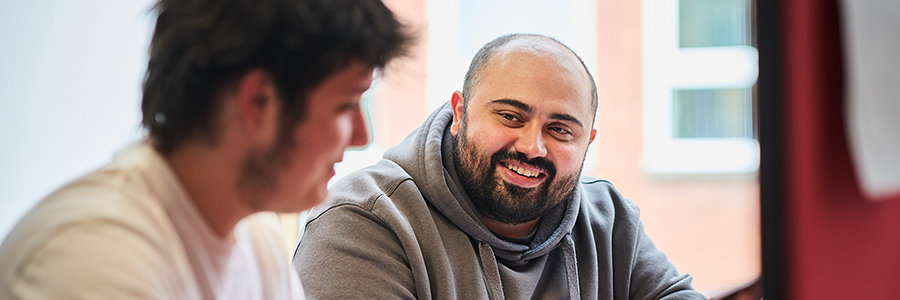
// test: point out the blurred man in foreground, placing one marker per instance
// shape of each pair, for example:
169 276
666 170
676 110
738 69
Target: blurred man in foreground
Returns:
248 105
486 200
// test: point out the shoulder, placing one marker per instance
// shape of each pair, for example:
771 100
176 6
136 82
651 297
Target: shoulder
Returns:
364 187
96 198
90 229
602 203
378 202
357 239
72 259
601 192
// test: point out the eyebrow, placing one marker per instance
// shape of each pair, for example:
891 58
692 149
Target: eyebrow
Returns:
354 90
527 108
565 117
514 103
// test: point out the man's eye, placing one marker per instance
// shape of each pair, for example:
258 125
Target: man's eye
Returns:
559 130
349 107
508 117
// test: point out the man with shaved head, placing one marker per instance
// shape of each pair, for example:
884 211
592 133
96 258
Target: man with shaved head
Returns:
486 199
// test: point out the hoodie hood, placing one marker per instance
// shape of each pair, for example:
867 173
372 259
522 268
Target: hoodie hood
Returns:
426 155
408 220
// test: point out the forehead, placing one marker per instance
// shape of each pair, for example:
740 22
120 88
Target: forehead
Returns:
352 79
550 79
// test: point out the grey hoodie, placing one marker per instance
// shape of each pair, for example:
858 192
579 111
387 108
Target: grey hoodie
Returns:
405 229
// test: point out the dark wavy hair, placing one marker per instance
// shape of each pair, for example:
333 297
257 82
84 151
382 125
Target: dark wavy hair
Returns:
200 47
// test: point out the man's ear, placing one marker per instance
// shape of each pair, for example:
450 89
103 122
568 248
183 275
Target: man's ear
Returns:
593 135
256 100
457 102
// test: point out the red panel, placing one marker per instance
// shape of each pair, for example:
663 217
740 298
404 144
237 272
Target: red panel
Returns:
839 246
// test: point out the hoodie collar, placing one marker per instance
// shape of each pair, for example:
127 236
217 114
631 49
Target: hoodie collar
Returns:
426 155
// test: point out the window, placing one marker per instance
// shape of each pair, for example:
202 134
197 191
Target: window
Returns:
700 69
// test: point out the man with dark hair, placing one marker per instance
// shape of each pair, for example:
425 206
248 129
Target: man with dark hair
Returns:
248 105
486 199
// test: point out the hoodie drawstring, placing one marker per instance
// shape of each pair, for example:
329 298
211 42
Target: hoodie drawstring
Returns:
491 273
571 267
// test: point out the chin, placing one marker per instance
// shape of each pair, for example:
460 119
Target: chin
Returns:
314 198
298 202
319 199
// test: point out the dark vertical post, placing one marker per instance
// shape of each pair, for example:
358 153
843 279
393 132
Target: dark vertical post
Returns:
771 172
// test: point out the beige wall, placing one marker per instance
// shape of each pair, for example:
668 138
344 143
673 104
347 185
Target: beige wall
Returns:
399 106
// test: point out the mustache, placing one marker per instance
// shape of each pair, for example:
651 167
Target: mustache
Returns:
539 162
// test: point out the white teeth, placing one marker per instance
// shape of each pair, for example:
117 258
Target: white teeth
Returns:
521 171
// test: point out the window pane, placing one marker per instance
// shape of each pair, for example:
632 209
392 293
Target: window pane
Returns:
712 113
483 20
712 23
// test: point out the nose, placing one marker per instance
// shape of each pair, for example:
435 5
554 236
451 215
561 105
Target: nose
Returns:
531 142
360 134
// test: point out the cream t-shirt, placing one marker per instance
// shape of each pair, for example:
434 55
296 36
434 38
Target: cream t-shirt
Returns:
129 231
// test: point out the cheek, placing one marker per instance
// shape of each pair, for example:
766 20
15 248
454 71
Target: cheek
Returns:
343 130
491 139
567 159
326 134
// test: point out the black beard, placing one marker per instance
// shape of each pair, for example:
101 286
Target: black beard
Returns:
503 202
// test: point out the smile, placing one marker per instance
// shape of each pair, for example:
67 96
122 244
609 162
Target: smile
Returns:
525 176
522 171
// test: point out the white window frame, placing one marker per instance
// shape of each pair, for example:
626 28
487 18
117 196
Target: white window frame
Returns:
667 67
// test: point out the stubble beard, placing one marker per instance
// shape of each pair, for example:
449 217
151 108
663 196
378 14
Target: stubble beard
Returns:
503 202
259 171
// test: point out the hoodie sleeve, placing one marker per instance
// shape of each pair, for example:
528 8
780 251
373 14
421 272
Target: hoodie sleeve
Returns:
347 252
639 269
654 277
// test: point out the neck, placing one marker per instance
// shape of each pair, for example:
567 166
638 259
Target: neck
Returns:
211 184
507 230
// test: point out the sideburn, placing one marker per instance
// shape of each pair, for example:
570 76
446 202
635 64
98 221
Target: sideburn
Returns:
259 171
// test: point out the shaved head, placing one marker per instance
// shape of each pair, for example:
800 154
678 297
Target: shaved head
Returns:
526 42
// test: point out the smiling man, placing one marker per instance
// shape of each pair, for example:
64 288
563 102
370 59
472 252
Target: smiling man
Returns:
486 199
248 104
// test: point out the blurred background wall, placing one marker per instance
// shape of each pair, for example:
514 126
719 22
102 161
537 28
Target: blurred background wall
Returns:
70 76
676 80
